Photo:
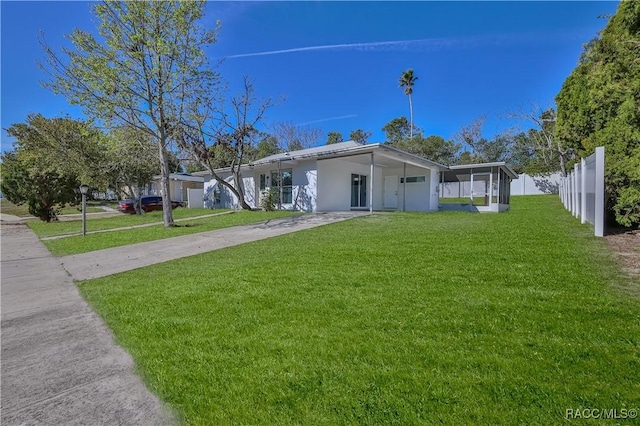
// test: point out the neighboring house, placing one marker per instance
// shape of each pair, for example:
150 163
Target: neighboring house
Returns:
180 186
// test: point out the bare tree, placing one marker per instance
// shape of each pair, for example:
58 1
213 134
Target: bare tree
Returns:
541 138
293 137
210 125
471 135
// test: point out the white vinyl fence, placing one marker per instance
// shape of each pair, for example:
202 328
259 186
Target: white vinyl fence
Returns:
195 198
582 191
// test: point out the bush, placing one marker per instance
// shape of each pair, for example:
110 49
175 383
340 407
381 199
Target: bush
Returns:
269 199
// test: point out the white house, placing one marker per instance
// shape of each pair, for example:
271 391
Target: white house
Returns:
336 177
180 186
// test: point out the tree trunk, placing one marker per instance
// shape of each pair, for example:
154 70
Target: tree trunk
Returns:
167 213
240 193
236 191
411 118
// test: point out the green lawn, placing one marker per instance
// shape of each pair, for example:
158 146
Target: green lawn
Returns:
44 229
402 318
90 242
7 207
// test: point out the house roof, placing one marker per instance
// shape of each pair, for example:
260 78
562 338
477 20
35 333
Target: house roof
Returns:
349 149
307 153
185 177
484 167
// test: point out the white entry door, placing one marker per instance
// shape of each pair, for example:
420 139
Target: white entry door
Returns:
391 192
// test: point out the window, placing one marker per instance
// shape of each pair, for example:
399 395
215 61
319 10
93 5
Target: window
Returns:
414 179
263 182
283 182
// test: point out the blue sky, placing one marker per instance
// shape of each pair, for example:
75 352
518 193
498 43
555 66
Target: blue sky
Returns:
338 63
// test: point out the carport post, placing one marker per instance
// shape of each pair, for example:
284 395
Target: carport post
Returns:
404 186
371 188
491 186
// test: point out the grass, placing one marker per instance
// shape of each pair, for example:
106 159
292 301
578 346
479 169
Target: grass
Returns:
7 207
455 200
401 318
43 229
91 242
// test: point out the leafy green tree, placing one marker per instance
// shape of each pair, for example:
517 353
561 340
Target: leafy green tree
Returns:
399 129
334 137
599 105
42 190
146 66
433 147
407 80
267 146
51 158
360 136
132 160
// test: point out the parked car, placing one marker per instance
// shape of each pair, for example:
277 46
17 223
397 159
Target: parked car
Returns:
148 203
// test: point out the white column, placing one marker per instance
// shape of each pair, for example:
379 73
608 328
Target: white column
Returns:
471 188
491 187
404 186
371 188
599 216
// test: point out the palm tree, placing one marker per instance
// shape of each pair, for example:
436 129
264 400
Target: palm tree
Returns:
407 80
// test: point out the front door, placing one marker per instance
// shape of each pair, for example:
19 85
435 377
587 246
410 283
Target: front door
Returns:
358 191
391 192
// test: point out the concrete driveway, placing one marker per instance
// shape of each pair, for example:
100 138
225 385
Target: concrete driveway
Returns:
106 262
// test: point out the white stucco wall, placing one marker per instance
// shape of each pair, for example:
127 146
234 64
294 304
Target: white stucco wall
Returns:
334 184
305 186
420 196
227 198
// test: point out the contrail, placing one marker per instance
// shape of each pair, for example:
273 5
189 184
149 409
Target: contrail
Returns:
424 43
327 119
364 46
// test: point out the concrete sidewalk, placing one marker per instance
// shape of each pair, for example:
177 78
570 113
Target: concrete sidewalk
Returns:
106 262
60 364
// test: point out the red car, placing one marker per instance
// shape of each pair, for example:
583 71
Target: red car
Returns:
148 203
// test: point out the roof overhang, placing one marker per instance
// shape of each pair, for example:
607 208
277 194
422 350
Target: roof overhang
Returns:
465 169
377 149
181 177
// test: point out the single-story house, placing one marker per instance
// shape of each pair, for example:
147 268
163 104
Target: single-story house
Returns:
341 176
337 177
179 186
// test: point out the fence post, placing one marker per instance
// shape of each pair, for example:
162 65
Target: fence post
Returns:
583 191
599 216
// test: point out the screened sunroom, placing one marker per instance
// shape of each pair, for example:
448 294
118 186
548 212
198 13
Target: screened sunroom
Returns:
476 187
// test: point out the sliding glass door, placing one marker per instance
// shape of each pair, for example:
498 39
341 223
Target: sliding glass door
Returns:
358 191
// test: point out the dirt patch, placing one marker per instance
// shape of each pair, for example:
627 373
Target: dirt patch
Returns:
626 246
